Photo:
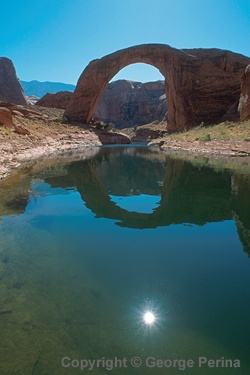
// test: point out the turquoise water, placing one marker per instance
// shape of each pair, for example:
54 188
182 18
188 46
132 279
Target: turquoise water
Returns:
88 247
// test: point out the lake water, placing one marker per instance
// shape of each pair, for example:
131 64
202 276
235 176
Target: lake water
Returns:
88 247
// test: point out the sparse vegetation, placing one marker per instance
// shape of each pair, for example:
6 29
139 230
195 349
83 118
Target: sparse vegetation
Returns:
65 120
205 137
101 125
6 133
200 126
224 131
111 126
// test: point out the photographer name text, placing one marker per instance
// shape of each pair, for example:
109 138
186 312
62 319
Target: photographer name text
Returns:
150 362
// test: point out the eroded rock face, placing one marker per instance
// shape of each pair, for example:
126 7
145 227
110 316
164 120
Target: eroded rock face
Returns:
124 103
201 84
128 103
244 104
59 100
144 134
21 111
6 117
109 138
10 87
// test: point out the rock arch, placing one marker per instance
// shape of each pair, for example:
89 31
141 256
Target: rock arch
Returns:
201 84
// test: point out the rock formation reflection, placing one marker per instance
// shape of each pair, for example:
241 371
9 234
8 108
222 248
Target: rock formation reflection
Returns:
187 194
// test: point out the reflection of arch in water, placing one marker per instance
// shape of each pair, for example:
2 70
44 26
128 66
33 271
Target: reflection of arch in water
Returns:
213 196
182 199
241 208
185 199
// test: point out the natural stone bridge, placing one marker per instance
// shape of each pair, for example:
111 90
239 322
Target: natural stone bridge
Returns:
201 84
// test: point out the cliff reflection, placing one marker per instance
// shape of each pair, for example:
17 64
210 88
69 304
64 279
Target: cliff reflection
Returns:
187 193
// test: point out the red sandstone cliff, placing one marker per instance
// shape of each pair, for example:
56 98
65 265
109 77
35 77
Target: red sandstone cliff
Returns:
59 100
201 84
244 104
128 103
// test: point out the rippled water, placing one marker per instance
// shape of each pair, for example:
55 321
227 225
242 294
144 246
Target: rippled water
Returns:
88 247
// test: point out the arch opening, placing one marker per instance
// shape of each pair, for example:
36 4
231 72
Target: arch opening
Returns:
140 203
139 72
129 102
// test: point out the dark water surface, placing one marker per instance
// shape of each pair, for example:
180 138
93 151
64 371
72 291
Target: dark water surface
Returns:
88 247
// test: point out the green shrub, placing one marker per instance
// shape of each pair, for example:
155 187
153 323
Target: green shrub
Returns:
101 125
200 126
205 137
111 126
65 120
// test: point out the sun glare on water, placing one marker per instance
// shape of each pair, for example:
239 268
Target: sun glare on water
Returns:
149 318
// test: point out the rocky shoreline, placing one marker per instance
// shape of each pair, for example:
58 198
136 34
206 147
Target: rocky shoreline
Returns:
219 148
14 153
17 152
43 132
40 133
225 139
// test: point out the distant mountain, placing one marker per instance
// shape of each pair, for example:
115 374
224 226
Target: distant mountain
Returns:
36 88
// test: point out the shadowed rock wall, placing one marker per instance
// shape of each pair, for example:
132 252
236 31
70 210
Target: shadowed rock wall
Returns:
128 103
244 104
10 87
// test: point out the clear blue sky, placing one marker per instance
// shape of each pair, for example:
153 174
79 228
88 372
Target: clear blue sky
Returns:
53 40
